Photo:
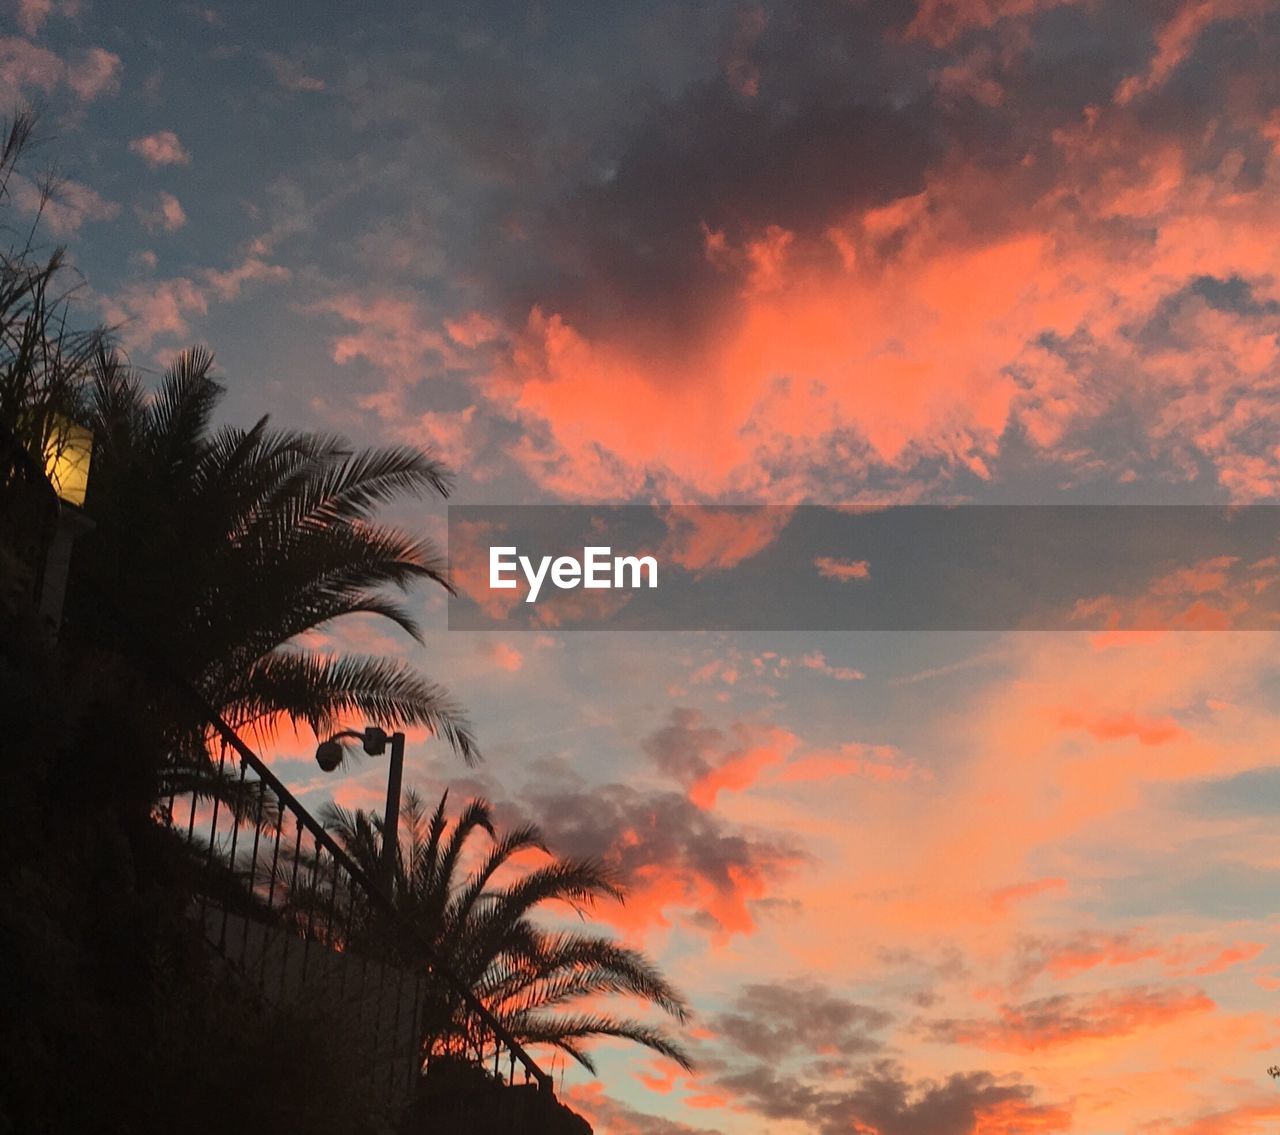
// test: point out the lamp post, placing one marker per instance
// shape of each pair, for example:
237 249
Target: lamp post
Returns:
374 741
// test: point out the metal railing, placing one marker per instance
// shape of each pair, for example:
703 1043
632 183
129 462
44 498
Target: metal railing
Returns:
283 900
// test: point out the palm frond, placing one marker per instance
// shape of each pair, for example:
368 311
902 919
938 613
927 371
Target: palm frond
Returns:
564 1031
179 416
527 976
322 690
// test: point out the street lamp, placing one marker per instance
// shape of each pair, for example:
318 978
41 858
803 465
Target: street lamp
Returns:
67 456
329 756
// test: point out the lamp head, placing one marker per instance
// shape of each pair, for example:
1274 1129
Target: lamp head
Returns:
329 755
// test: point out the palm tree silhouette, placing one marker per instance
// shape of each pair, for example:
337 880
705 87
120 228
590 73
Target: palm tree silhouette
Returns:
220 547
532 979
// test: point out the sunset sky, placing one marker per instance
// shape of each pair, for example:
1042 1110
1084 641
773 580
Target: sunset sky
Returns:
828 251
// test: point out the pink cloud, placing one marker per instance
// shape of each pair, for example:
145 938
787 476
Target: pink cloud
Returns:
161 149
65 206
148 310
151 310
33 13
390 331
504 656
228 283
843 570
449 435
473 330
816 660
25 66
164 212
290 74
97 72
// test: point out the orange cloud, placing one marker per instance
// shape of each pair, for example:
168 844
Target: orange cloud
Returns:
1078 953
816 660
942 21
880 763
609 1116
721 907
1178 36
1115 727
1228 957
1065 1019
1002 898
711 539
473 329
742 767
843 570
1246 1119
1018 1117
504 656
705 422
1220 593
469 543
913 334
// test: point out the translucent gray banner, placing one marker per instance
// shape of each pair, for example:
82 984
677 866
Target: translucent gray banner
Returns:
900 568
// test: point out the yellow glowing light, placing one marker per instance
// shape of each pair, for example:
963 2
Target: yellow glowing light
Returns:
66 462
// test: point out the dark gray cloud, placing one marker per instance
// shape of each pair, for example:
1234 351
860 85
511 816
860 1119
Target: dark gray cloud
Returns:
886 1103
675 859
641 832
1079 950
633 243
814 1060
844 114
681 746
775 1022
